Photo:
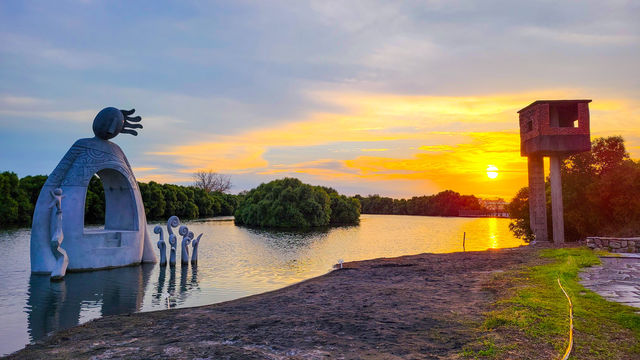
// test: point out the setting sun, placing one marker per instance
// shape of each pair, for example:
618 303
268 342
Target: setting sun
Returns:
492 172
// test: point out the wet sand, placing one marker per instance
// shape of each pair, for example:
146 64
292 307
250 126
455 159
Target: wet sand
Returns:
411 307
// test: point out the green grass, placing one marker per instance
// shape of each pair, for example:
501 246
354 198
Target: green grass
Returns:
487 349
533 312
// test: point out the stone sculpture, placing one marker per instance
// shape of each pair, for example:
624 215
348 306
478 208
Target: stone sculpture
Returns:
173 240
184 255
57 235
124 239
194 252
187 238
161 245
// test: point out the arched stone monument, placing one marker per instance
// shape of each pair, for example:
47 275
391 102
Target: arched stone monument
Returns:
124 239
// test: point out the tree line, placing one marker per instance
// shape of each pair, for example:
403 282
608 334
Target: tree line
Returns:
280 203
18 198
444 203
600 191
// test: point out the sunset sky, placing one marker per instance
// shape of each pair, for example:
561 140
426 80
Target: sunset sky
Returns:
389 97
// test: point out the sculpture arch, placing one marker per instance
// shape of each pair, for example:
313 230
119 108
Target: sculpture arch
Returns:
119 197
124 240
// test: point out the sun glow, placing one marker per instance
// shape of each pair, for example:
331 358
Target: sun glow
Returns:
492 172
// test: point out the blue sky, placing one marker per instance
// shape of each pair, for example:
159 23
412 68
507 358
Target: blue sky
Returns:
397 98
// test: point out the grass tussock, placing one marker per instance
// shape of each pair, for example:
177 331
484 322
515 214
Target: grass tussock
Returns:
530 319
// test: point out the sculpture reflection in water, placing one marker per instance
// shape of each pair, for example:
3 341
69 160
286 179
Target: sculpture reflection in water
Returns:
172 297
53 306
83 296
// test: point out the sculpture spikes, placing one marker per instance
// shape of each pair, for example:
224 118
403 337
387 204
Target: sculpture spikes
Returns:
161 245
172 223
184 255
127 122
173 240
194 253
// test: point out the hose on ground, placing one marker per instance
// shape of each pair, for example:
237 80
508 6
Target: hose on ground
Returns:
566 354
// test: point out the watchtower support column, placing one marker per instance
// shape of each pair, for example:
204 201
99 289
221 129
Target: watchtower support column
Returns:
556 199
537 198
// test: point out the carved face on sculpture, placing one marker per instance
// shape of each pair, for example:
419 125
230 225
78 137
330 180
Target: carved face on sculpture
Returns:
110 122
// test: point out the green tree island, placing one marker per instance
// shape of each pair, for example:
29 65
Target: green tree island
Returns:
289 203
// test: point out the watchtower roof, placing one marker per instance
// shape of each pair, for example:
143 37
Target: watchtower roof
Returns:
537 102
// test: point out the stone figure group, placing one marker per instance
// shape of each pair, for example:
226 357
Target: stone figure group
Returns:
187 238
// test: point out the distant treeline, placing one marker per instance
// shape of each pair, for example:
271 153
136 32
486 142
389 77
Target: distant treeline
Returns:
444 203
18 198
281 203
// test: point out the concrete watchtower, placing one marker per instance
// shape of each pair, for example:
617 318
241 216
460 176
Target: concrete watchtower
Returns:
553 128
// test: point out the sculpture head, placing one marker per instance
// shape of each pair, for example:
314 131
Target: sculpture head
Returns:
57 191
110 122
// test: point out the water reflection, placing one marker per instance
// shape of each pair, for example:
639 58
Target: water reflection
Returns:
288 240
233 262
59 305
493 233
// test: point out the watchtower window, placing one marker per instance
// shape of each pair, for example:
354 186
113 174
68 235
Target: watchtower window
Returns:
528 126
563 115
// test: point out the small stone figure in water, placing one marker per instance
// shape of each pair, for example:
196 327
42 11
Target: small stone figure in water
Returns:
184 255
161 245
173 240
62 260
194 252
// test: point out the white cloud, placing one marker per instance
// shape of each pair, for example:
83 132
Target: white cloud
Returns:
572 37
31 47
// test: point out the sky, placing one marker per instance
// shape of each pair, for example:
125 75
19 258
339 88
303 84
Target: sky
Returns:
397 98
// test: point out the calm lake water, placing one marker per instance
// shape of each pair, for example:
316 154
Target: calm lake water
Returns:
234 262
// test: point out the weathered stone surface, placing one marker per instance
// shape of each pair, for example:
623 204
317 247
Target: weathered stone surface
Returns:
618 279
615 244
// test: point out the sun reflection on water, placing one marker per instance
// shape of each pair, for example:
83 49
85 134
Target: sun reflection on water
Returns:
493 233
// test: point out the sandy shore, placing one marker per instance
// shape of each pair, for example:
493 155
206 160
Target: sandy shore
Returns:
412 307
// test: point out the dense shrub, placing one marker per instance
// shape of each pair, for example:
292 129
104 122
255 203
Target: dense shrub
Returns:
288 203
15 206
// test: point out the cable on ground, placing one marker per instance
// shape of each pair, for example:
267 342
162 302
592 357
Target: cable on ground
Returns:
566 354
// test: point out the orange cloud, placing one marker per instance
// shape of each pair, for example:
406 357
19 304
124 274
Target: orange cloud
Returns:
374 150
458 138
460 167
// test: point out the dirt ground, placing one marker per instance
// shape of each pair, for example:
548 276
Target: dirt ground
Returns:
412 307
